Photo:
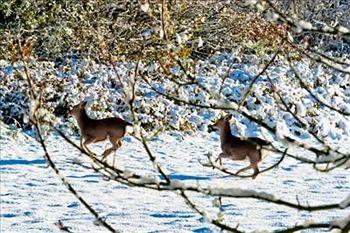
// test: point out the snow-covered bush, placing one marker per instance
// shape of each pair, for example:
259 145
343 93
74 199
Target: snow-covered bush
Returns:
218 81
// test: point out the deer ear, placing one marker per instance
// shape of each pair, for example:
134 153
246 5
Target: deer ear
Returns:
228 117
84 103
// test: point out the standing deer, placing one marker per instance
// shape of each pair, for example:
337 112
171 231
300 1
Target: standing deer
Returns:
92 130
237 149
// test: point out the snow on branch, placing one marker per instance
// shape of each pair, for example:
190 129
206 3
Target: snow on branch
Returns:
152 182
299 25
35 121
214 165
233 107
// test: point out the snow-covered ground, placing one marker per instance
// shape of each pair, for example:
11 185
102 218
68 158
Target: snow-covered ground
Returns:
33 198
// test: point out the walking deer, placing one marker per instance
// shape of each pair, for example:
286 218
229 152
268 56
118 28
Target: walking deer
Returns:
93 131
237 149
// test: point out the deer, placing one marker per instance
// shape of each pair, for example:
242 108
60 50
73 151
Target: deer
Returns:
236 148
93 130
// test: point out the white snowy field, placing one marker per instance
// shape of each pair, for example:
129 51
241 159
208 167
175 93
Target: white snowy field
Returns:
33 198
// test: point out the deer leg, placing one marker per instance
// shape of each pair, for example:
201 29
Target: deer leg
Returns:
219 158
256 171
244 169
254 159
119 145
254 166
116 145
86 142
107 152
81 144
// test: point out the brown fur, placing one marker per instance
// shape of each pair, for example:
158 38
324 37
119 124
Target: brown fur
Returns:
237 149
93 131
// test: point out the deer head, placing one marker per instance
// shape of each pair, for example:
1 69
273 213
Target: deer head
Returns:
77 109
220 124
